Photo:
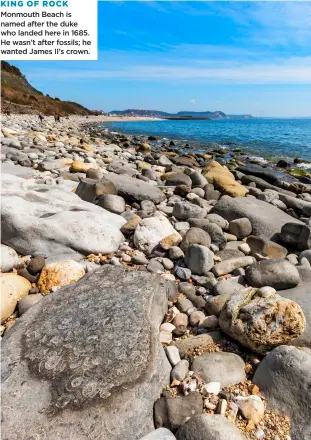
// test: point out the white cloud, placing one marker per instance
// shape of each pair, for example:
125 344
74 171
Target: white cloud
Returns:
192 101
290 71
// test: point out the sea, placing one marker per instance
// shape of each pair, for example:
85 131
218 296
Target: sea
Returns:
264 139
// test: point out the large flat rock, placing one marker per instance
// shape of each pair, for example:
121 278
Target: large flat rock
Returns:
17 170
43 218
135 190
86 362
267 220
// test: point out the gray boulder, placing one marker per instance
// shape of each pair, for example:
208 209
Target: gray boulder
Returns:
135 190
209 427
78 357
280 274
199 259
223 367
261 321
47 220
267 220
302 296
284 377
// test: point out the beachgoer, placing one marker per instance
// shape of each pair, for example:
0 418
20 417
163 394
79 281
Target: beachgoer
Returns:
41 117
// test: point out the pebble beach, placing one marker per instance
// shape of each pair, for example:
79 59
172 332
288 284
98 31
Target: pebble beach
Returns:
150 292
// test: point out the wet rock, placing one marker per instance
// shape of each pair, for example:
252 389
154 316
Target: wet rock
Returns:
59 274
172 412
150 231
199 259
8 259
284 377
133 370
211 427
280 274
261 323
226 368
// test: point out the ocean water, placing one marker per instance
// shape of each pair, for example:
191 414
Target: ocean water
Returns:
266 138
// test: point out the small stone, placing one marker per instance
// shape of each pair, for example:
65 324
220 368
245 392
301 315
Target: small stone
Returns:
230 265
241 228
115 261
139 259
181 320
266 291
196 318
126 258
199 259
183 273
167 327
175 253
184 304
251 407
59 274
180 370
209 322
211 388
165 337
209 405
35 265
180 331
222 407
27 302
244 248
169 241
167 263
172 354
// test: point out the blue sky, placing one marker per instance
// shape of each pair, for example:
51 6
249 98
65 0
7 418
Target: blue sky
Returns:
238 57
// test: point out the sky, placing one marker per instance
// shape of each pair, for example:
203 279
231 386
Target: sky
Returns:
237 57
